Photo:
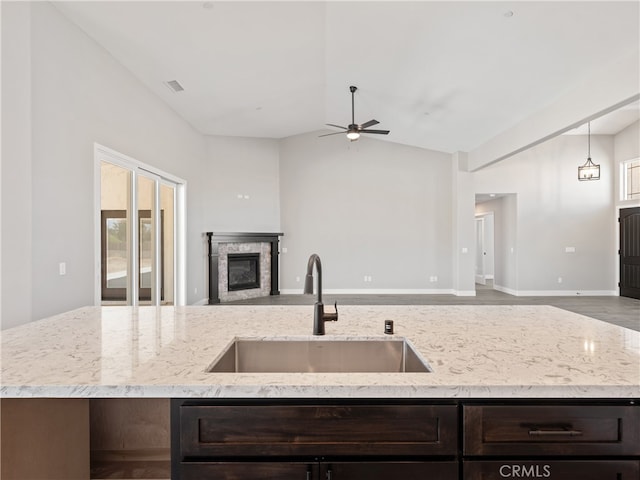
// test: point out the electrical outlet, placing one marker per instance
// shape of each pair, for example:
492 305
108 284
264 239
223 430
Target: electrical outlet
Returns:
559 279
195 291
433 278
297 279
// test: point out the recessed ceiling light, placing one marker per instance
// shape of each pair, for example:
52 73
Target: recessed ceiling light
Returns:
508 13
207 5
492 195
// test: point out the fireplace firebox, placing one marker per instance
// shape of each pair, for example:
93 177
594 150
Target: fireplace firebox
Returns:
243 271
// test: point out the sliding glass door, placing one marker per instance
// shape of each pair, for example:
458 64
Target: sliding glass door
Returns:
138 233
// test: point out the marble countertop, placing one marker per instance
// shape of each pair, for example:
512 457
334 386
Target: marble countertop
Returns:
474 351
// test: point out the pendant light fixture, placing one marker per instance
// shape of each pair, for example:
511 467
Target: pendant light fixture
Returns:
589 171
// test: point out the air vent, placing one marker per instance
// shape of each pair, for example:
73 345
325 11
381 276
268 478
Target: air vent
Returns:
174 86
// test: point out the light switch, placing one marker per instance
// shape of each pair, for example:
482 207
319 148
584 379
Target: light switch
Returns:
62 268
570 249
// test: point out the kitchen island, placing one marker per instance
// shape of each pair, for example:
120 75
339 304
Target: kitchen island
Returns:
474 352
480 357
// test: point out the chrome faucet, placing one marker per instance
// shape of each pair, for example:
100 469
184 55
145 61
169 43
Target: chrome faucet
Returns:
319 317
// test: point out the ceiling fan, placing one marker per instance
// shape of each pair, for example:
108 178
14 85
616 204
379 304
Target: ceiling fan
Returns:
354 130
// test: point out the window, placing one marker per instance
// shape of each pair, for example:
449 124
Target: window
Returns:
631 179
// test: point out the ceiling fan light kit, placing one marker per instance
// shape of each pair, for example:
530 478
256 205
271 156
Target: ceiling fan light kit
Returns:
354 130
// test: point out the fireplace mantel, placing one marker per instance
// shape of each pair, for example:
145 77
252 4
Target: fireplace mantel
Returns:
216 238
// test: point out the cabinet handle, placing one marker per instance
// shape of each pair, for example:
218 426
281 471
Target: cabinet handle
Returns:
329 474
541 432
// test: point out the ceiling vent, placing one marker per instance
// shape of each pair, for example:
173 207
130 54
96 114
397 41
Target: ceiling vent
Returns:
174 86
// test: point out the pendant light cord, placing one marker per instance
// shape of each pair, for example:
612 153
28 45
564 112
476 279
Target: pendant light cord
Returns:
589 141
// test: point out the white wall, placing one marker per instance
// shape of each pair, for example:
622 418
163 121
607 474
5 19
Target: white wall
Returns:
242 167
16 164
80 95
369 208
554 211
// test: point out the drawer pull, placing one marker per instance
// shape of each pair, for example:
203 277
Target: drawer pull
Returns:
568 433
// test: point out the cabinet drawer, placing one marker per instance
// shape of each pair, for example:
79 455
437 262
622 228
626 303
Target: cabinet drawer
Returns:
249 471
317 430
552 470
387 470
551 430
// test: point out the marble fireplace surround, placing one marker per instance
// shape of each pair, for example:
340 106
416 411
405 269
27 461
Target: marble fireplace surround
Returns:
221 244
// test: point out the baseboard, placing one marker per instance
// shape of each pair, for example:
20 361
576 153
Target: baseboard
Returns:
506 290
375 291
567 293
203 301
556 293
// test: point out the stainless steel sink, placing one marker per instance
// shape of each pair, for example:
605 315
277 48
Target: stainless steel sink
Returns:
321 355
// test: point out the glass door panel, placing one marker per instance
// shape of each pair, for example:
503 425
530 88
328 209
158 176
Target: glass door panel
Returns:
114 201
167 205
138 234
147 238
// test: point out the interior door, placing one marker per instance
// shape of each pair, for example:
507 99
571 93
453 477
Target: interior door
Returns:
630 252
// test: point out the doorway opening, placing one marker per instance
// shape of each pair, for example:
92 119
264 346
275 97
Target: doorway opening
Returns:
484 265
140 233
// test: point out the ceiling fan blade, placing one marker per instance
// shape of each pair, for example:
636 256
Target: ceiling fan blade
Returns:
337 126
379 132
368 124
334 133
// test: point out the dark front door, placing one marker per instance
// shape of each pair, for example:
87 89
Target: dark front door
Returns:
630 252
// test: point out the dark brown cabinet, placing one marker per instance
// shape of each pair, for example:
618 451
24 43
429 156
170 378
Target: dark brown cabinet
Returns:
553 430
308 441
250 471
554 442
318 430
360 470
380 439
552 469
386 470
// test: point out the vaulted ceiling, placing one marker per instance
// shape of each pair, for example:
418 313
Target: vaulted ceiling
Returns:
446 76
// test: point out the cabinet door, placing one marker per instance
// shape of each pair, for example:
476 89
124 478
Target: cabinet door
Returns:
317 430
249 471
552 470
389 470
551 430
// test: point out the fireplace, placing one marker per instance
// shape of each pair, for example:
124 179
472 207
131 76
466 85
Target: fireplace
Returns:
243 271
242 265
